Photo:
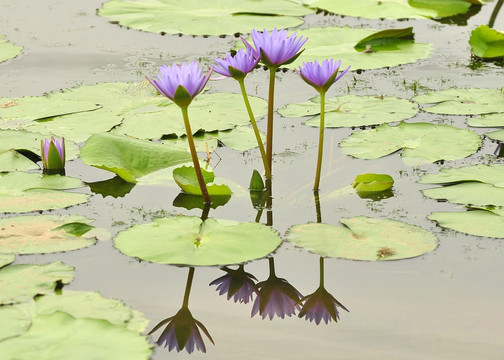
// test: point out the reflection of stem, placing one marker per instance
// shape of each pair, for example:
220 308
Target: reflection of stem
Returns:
269 202
321 141
194 155
271 267
190 276
317 206
321 271
494 13
269 134
256 130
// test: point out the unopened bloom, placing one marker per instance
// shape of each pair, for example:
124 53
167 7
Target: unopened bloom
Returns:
181 83
237 284
275 49
321 76
237 66
53 153
321 306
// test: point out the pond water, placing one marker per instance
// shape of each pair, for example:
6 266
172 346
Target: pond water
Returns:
446 304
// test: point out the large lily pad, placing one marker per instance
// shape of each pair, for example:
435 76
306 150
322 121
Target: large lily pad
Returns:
189 241
6 259
474 222
463 101
8 50
488 120
128 157
364 238
474 193
45 234
352 110
59 336
421 143
21 283
487 42
195 17
490 174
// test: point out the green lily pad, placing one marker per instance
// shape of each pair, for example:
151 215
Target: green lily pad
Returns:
488 120
21 283
421 143
352 110
474 222
16 319
242 138
487 42
60 336
189 241
185 177
8 50
45 234
385 40
393 9
496 135
128 157
364 238
463 101
6 259
490 174
25 192
373 182
474 193
195 17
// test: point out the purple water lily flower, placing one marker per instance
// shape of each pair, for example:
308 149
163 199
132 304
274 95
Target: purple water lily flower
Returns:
275 49
181 83
321 306
53 153
321 76
237 284
237 66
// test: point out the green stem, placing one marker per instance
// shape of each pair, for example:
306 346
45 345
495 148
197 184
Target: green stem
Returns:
256 130
321 142
194 156
269 133
190 276
498 6
317 206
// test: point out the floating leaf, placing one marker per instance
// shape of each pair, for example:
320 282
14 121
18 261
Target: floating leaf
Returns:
6 259
242 138
373 182
487 42
60 336
474 222
490 174
496 135
189 241
363 238
194 17
463 101
421 143
8 50
185 177
21 283
128 157
474 193
353 111
488 120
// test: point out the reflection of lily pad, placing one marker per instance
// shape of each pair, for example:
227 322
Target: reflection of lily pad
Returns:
20 283
421 143
474 222
352 110
8 50
45 234
6 259
189 241
364 238
195 17
487 42
463 101
115 187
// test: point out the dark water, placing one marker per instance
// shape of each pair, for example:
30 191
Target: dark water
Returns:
444 305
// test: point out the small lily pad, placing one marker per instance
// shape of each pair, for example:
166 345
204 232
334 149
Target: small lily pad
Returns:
373 182
474 222
8 50
185 177
421 143
385 40
353 111
487 42
363 238
190 241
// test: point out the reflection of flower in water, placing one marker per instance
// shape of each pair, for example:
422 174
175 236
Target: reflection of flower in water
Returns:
183 330
321 305
237 284
276 296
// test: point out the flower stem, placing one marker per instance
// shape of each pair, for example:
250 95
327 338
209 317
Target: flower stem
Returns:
269 134
321 142
194 155
321 272
256 130
190 276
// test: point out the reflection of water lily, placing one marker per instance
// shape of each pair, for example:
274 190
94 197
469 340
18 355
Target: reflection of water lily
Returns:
237 284
237 66
53 153
276 297
321 76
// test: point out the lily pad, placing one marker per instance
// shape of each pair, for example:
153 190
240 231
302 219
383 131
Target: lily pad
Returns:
128 157
45 234
421 143
364 238
487 42
488 120
474 222
393 9
60 336
190 241
463 101
496 135
490 174
352 110
21 283
373 182
474 193
8 50
195 17
185 177
6 259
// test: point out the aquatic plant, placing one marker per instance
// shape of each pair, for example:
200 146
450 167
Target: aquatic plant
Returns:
53 153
